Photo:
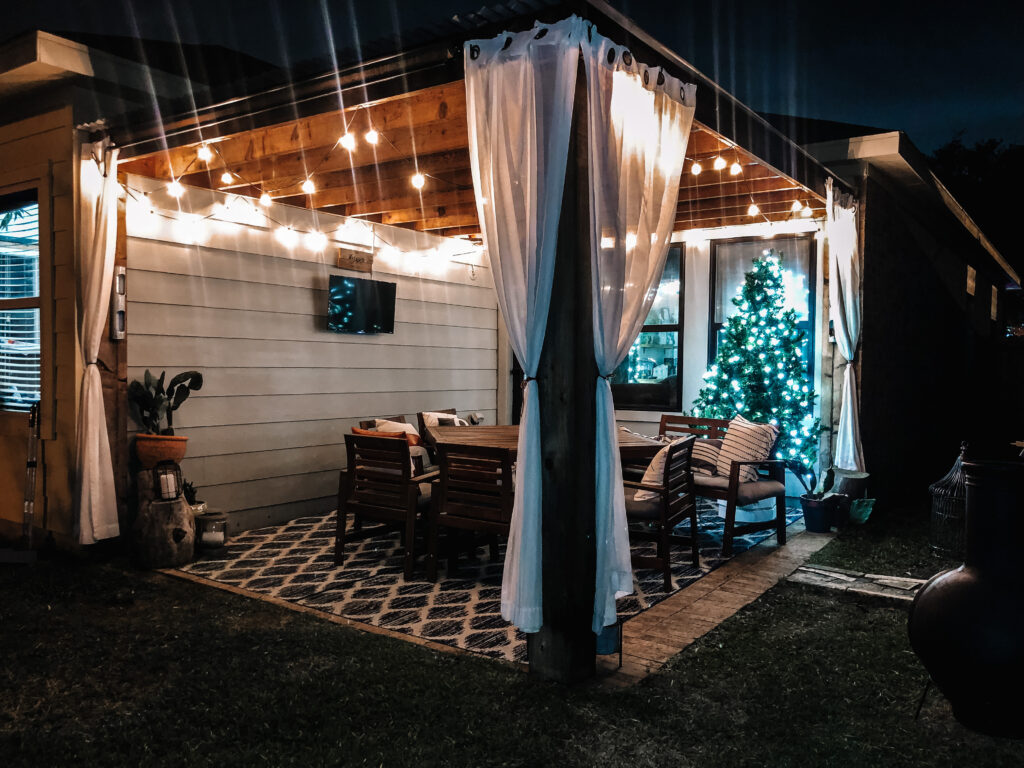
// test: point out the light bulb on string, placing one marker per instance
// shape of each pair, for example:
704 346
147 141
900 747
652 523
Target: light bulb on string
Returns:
718 163
796 207
807 212
266 200
226 178
696 168
418 180
316 241
753 210
286 236
204 153
308 187
371 136
348 141
175 188
735 169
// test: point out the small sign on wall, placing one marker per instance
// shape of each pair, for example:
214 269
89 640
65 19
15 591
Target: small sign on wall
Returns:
357 261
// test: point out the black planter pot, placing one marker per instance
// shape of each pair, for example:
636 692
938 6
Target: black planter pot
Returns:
967 624
817 514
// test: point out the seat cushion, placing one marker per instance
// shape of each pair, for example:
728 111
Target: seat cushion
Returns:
747 493
745 441
642 509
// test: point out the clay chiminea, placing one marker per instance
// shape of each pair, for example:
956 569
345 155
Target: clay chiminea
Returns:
967 624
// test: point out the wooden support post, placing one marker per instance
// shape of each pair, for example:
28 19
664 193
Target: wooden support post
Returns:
564 649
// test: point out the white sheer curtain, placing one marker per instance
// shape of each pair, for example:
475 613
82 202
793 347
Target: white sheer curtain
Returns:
95 496
638 124
844 311
519 95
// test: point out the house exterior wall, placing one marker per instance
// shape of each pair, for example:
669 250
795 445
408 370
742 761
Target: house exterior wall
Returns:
266 432
696 289
38 150
929 351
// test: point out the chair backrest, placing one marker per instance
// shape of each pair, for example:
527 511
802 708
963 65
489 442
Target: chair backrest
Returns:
372 423
378 473
678 479
424 431
475 482
674 425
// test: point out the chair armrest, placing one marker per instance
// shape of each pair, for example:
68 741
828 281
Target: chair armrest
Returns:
776 465
425 477
643 486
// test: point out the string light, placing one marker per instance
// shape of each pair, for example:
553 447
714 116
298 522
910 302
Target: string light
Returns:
735 169
286 236
753 210
204 153
348 141
418 180
796 207
316 241
807 212
308 187
175 188
265 200
372 137
719 163
226 177
695 169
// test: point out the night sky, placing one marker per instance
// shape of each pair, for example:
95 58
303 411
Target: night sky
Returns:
930 69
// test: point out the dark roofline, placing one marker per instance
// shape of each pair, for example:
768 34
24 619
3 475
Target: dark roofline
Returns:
440 61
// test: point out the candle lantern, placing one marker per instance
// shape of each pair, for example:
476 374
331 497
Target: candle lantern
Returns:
167 480
212 530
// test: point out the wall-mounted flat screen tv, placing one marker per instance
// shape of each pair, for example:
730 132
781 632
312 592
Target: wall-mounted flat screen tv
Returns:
355 305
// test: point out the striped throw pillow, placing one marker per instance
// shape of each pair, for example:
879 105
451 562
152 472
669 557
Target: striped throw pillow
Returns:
745 441
704 459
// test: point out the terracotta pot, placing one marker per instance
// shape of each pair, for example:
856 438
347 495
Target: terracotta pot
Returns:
967 624
152 449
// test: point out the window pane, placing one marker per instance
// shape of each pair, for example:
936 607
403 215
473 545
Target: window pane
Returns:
734 260
19 251
19 359
665 310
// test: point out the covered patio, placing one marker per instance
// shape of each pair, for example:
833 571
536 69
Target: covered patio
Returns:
237 214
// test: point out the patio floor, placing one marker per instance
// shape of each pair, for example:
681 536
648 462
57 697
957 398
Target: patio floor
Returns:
292 565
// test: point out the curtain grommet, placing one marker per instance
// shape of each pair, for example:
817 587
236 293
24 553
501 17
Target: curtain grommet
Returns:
541 34
661 77
627 58
474 52
508 43
647 77
611 55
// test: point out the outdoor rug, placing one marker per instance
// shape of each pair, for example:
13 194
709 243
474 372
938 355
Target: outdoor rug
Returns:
295 562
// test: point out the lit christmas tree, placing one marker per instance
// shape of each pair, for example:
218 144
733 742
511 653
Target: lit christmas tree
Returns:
761 370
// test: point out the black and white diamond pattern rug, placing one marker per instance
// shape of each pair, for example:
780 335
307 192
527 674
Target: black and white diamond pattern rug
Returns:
295 562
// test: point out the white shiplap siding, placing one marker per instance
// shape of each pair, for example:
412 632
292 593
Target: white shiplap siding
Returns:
266 432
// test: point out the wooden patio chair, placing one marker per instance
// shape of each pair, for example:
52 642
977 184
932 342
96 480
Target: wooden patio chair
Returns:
429 442
379 484
474 492
770 483
421 459
675 503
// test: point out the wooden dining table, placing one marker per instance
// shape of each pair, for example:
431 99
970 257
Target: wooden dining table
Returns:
634 448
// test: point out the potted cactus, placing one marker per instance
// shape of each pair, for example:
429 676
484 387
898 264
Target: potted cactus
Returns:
150 406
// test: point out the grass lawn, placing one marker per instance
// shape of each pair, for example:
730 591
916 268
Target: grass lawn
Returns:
103 665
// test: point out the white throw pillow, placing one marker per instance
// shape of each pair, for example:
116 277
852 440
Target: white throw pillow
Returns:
655 473
745 441
383 425
430 419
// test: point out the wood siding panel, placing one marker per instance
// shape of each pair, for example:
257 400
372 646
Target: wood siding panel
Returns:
266 432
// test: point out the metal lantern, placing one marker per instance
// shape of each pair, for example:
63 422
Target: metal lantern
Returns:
167 480
212 530
949 502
